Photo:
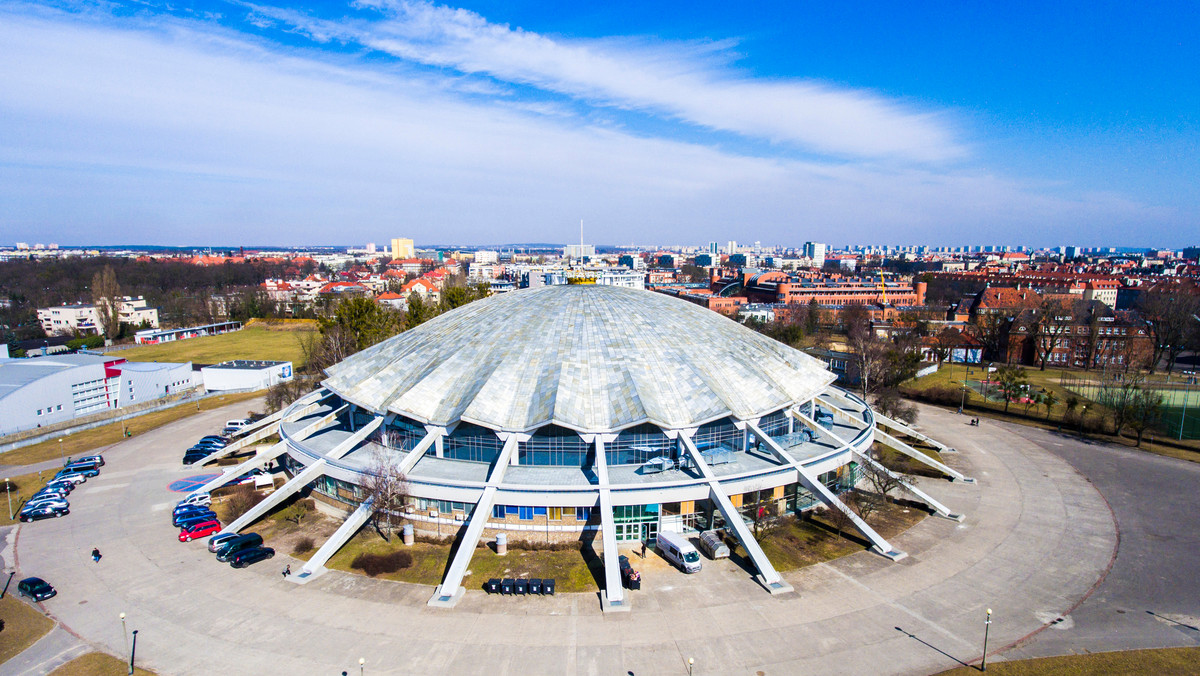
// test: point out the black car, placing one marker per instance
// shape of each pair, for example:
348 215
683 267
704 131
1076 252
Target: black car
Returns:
249 556
47 512
35 588
191 458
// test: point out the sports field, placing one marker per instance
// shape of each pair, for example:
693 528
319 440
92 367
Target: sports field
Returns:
253 342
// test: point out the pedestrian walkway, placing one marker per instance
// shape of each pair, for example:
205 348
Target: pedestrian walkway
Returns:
859 614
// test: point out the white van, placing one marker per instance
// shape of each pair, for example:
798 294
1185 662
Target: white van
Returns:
676 549
237 423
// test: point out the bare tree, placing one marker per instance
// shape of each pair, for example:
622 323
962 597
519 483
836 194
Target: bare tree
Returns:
1171 313
878 484
1054 323
387 486
106 294
1147 409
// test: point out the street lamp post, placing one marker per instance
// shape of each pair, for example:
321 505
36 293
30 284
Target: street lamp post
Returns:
133 652
691 663
8 487
1082 415
362 661
987 624
125 633
1183 416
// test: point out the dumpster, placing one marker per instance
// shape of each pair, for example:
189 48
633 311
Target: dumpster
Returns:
522 587
507 585
492 586
548 586
630 578
535 585
713 545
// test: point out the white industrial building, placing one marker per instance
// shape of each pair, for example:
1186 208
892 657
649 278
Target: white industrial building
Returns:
47 390
245 374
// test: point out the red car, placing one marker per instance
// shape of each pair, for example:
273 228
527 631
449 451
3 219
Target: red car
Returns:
199 530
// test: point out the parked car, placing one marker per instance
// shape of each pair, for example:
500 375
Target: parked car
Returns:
182 520
193 458
198 530
190 509
43 500
73 477
219 540
59 485
215 437
248 556
201 499
88 468
97 459
36 588
238 544
218 443
191 514
44 512
239 424
56 492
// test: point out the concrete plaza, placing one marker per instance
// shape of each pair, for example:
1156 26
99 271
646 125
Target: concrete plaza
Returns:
1037 538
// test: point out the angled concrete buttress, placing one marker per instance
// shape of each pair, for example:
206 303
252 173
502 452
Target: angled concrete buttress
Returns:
267 426
812 485
768 576
450 591
613 598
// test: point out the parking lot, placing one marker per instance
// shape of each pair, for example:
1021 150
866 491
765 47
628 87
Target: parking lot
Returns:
857 614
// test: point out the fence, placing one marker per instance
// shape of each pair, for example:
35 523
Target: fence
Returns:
1180 416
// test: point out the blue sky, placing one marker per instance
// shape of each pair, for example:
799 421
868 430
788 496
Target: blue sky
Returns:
247 123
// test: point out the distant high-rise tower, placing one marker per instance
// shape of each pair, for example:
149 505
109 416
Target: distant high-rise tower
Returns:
731 247
403 248
713 249
815 251
370 247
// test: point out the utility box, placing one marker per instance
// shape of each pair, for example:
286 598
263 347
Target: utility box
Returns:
714 545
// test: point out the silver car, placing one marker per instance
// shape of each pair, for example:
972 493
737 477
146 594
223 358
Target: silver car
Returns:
45 501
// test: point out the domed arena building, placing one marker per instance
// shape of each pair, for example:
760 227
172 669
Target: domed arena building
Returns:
581 411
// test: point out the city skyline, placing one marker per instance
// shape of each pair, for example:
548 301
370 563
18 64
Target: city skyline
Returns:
233 122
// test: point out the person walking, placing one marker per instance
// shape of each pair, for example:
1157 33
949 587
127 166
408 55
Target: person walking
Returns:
287 571
96 554
643 549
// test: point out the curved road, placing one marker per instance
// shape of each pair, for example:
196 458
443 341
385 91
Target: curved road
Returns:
1037 538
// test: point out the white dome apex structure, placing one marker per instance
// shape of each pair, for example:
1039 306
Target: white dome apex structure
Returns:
585 357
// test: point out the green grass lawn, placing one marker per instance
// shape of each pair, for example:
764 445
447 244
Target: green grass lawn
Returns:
1126 663
797 543
252 342
26 485
79 443
97 664
23 624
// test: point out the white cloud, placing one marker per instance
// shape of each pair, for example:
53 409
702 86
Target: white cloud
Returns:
177 133
689 81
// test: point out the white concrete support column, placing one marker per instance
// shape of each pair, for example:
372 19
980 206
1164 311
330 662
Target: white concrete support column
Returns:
310 473
344 532
812 485
768 576
309 401
350 443
450 591
260 459
613 598
414 456
894 443
894 425
907 486
308 431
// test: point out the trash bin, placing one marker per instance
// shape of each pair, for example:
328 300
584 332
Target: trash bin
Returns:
507 585
535 585
408 534
501 544
548 586
522 587
492 586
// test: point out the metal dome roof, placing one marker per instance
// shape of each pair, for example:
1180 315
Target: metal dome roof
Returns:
591 358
